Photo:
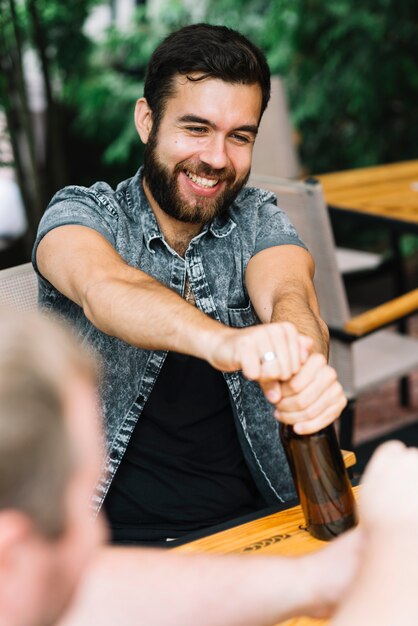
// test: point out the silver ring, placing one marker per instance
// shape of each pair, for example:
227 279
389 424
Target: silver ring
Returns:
269 356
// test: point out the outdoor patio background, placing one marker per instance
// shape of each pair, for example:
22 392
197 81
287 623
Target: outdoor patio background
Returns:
379 415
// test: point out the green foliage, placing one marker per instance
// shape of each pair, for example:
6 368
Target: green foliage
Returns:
352 78
350 71
105 99
63 25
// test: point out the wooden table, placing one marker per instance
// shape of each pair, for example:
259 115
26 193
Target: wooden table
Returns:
282 533
387 193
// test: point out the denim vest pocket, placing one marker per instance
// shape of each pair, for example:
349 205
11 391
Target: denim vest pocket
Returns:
240 318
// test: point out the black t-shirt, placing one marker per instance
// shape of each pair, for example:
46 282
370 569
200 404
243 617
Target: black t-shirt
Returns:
183 469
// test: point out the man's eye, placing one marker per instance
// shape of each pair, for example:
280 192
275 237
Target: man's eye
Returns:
240 138
197 130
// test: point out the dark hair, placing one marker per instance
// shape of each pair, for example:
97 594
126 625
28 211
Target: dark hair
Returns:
209 51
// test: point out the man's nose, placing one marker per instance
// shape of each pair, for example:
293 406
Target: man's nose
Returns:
215 153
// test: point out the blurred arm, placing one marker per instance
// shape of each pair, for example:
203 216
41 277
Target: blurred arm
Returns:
134 586
384 591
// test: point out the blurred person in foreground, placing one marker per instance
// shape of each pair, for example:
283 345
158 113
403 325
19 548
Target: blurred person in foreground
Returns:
198 295
51 562
366 577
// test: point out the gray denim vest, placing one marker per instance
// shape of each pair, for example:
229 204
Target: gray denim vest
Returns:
215 261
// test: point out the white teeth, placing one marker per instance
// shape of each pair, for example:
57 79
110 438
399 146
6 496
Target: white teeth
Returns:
203 182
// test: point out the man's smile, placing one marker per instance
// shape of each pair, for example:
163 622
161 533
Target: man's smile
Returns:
201 181
201 186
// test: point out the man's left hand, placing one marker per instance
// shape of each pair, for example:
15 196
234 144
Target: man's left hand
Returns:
313 398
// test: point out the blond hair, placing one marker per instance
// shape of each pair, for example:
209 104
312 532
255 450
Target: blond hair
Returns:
37 357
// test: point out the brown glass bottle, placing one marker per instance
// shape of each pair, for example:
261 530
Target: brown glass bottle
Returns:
321 481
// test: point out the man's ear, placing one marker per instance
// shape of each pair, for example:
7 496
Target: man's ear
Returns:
143 119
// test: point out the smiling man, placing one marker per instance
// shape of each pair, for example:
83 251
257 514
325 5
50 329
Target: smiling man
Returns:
197 293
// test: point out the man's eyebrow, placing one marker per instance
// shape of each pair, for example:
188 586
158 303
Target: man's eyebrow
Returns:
195 119
248 128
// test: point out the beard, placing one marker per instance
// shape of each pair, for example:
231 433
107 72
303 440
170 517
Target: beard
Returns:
164 187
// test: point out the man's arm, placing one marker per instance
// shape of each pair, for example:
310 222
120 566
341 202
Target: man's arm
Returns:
127 303
134 586
280 284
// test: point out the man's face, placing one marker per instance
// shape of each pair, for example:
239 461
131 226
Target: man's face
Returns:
199 157
61 562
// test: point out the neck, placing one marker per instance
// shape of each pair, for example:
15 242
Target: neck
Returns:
176 233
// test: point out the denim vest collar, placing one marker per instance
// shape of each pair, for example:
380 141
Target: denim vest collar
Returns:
135 196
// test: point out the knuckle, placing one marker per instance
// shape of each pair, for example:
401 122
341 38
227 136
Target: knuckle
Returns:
340 391
289 327
344 401
304 400
332 374
294 385
311 413
320 359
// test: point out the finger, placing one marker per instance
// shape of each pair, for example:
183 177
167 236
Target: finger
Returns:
260 362
272 391
275 343
327 405
324 419
291 338
320 386
307 373
284 344
305 347
250 365
272 367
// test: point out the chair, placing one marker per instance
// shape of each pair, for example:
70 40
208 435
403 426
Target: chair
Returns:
363 355
274 151
19 288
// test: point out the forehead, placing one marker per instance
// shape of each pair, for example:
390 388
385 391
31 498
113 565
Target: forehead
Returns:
228 105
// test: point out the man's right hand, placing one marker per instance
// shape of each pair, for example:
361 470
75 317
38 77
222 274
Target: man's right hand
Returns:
267 353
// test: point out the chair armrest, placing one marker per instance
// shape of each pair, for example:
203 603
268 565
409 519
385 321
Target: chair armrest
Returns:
382 315
349 458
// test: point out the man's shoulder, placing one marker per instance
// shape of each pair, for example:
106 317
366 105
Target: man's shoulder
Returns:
99 193
251 205
254 198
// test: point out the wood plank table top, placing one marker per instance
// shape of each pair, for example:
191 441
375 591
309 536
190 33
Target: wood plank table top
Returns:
282 533
386 192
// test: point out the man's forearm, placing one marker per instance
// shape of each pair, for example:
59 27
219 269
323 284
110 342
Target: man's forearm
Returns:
296 309
147 314
155 588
